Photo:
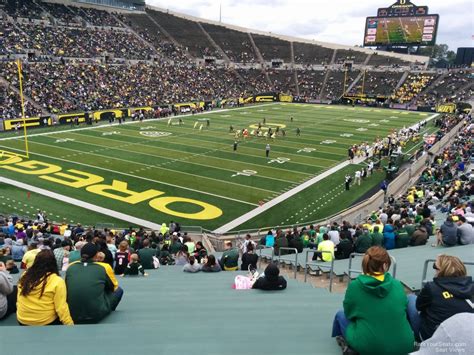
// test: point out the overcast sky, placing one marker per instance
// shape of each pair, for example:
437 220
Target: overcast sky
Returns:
336 21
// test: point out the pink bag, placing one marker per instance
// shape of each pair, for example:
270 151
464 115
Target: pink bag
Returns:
242 283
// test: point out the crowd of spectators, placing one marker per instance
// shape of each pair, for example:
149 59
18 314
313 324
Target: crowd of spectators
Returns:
76 86
413 86
378 83
448 89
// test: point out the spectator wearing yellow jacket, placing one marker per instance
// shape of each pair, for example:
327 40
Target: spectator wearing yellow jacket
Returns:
42 294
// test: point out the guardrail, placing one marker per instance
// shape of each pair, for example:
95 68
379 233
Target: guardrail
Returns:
289 249
425 269
320 264
260 258
358 271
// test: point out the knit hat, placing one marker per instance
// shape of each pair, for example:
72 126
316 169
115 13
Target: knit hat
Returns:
90 249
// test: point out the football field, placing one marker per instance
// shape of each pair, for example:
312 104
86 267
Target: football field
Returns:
160 170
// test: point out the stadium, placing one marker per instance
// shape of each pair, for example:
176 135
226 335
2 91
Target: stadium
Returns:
136 141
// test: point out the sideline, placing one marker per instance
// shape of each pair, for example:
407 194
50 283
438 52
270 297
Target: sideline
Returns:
86 205
265 207
104 125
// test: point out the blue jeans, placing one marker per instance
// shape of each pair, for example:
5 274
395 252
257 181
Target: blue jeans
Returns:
116 298
340 324
413 315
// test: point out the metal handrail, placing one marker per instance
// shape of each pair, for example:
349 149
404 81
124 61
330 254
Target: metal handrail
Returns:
296 256
358 271
425 269
320 264
260 248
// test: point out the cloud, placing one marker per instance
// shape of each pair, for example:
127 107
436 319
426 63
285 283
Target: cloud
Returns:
337 21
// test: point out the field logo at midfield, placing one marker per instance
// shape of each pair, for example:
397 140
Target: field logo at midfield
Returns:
346 135
155 134
361 129
356 120
306 150
94 184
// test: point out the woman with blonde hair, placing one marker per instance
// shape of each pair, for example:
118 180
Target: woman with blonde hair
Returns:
374 319
451 292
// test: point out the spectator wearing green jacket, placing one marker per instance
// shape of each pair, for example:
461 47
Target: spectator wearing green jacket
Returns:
374 319
230 258
402 239
146 255
364 242
377 237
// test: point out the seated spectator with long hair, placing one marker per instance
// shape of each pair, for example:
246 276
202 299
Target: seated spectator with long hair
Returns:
249 258
92 289
42 293
211 265
200 252
451 292
192 265
374 319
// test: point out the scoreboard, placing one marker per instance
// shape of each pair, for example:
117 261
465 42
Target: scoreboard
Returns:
408 31
402 24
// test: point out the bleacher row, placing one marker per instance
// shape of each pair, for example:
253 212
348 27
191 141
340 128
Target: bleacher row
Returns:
407 263
189 34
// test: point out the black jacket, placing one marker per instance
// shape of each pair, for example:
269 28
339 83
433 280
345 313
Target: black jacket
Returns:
344 249
441 299
271 281
249 259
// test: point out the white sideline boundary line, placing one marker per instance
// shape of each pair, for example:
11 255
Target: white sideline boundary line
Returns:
86 205
265 207
136 177
105 125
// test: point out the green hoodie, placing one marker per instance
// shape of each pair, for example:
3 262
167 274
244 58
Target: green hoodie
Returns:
377 311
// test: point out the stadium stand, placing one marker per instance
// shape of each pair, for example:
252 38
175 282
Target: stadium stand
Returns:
334 87
306 53
310 82
98 17
187 33
413 85
23 8
448 88
282 81
378 83
273 48
235 44
62 13
384 61
343 55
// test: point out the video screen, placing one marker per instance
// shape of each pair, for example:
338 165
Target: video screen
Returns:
416 30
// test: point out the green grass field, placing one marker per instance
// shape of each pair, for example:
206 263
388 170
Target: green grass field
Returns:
158 173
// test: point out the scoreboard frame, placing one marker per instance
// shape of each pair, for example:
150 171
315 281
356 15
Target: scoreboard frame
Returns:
402 9
421 43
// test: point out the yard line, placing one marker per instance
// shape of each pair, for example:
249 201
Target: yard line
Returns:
120 148
151 166
134 122
137 177
86 205
202 154
239 153
266 206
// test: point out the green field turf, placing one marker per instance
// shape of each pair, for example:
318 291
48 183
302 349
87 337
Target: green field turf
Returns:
201 165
